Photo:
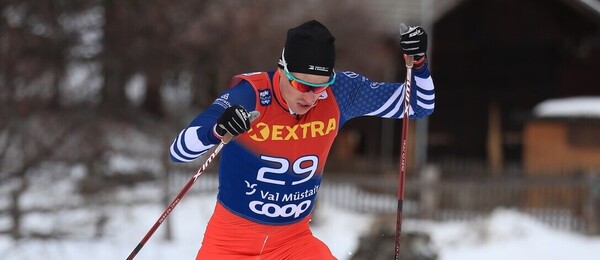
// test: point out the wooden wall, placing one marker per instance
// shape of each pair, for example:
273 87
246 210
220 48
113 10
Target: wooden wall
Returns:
554 146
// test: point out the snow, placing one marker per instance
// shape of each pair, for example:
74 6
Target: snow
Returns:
587 106
506 234
189 218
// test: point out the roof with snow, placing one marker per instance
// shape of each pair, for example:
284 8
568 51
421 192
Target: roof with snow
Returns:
572 107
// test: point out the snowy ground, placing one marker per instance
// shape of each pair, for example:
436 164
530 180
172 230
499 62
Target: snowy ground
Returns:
505 235
130 224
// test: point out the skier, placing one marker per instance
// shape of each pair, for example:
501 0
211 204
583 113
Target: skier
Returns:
270 174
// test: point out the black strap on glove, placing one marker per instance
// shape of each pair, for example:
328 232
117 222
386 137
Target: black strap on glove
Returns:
413 41
235 121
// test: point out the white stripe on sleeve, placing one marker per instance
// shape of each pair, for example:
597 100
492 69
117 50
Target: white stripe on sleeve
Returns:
425 84
175 155
389 102
193 143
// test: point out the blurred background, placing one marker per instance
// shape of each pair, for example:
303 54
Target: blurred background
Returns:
92 93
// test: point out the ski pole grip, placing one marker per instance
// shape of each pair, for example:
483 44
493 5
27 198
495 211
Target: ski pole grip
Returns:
409 60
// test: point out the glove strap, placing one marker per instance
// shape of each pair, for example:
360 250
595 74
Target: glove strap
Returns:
216 133
420 62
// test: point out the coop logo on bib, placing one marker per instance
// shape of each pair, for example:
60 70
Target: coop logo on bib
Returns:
273 210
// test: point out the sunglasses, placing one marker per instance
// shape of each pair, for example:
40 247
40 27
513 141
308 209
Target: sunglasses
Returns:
304 86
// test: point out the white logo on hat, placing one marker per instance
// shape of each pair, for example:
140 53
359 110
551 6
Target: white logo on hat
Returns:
318 68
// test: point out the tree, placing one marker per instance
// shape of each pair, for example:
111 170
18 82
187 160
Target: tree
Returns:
33 56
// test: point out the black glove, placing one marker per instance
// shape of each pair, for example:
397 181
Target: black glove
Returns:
235 121
413 41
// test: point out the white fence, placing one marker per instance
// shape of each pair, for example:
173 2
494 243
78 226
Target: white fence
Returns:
445 200
344 195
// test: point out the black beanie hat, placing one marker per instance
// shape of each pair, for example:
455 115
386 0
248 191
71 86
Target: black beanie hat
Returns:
309 48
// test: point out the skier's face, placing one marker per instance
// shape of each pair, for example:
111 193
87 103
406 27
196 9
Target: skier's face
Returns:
300 101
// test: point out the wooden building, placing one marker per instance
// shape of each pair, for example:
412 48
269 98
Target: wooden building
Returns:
564 140
494 60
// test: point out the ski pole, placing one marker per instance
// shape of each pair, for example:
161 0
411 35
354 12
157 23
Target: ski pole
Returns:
409 59
228 137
